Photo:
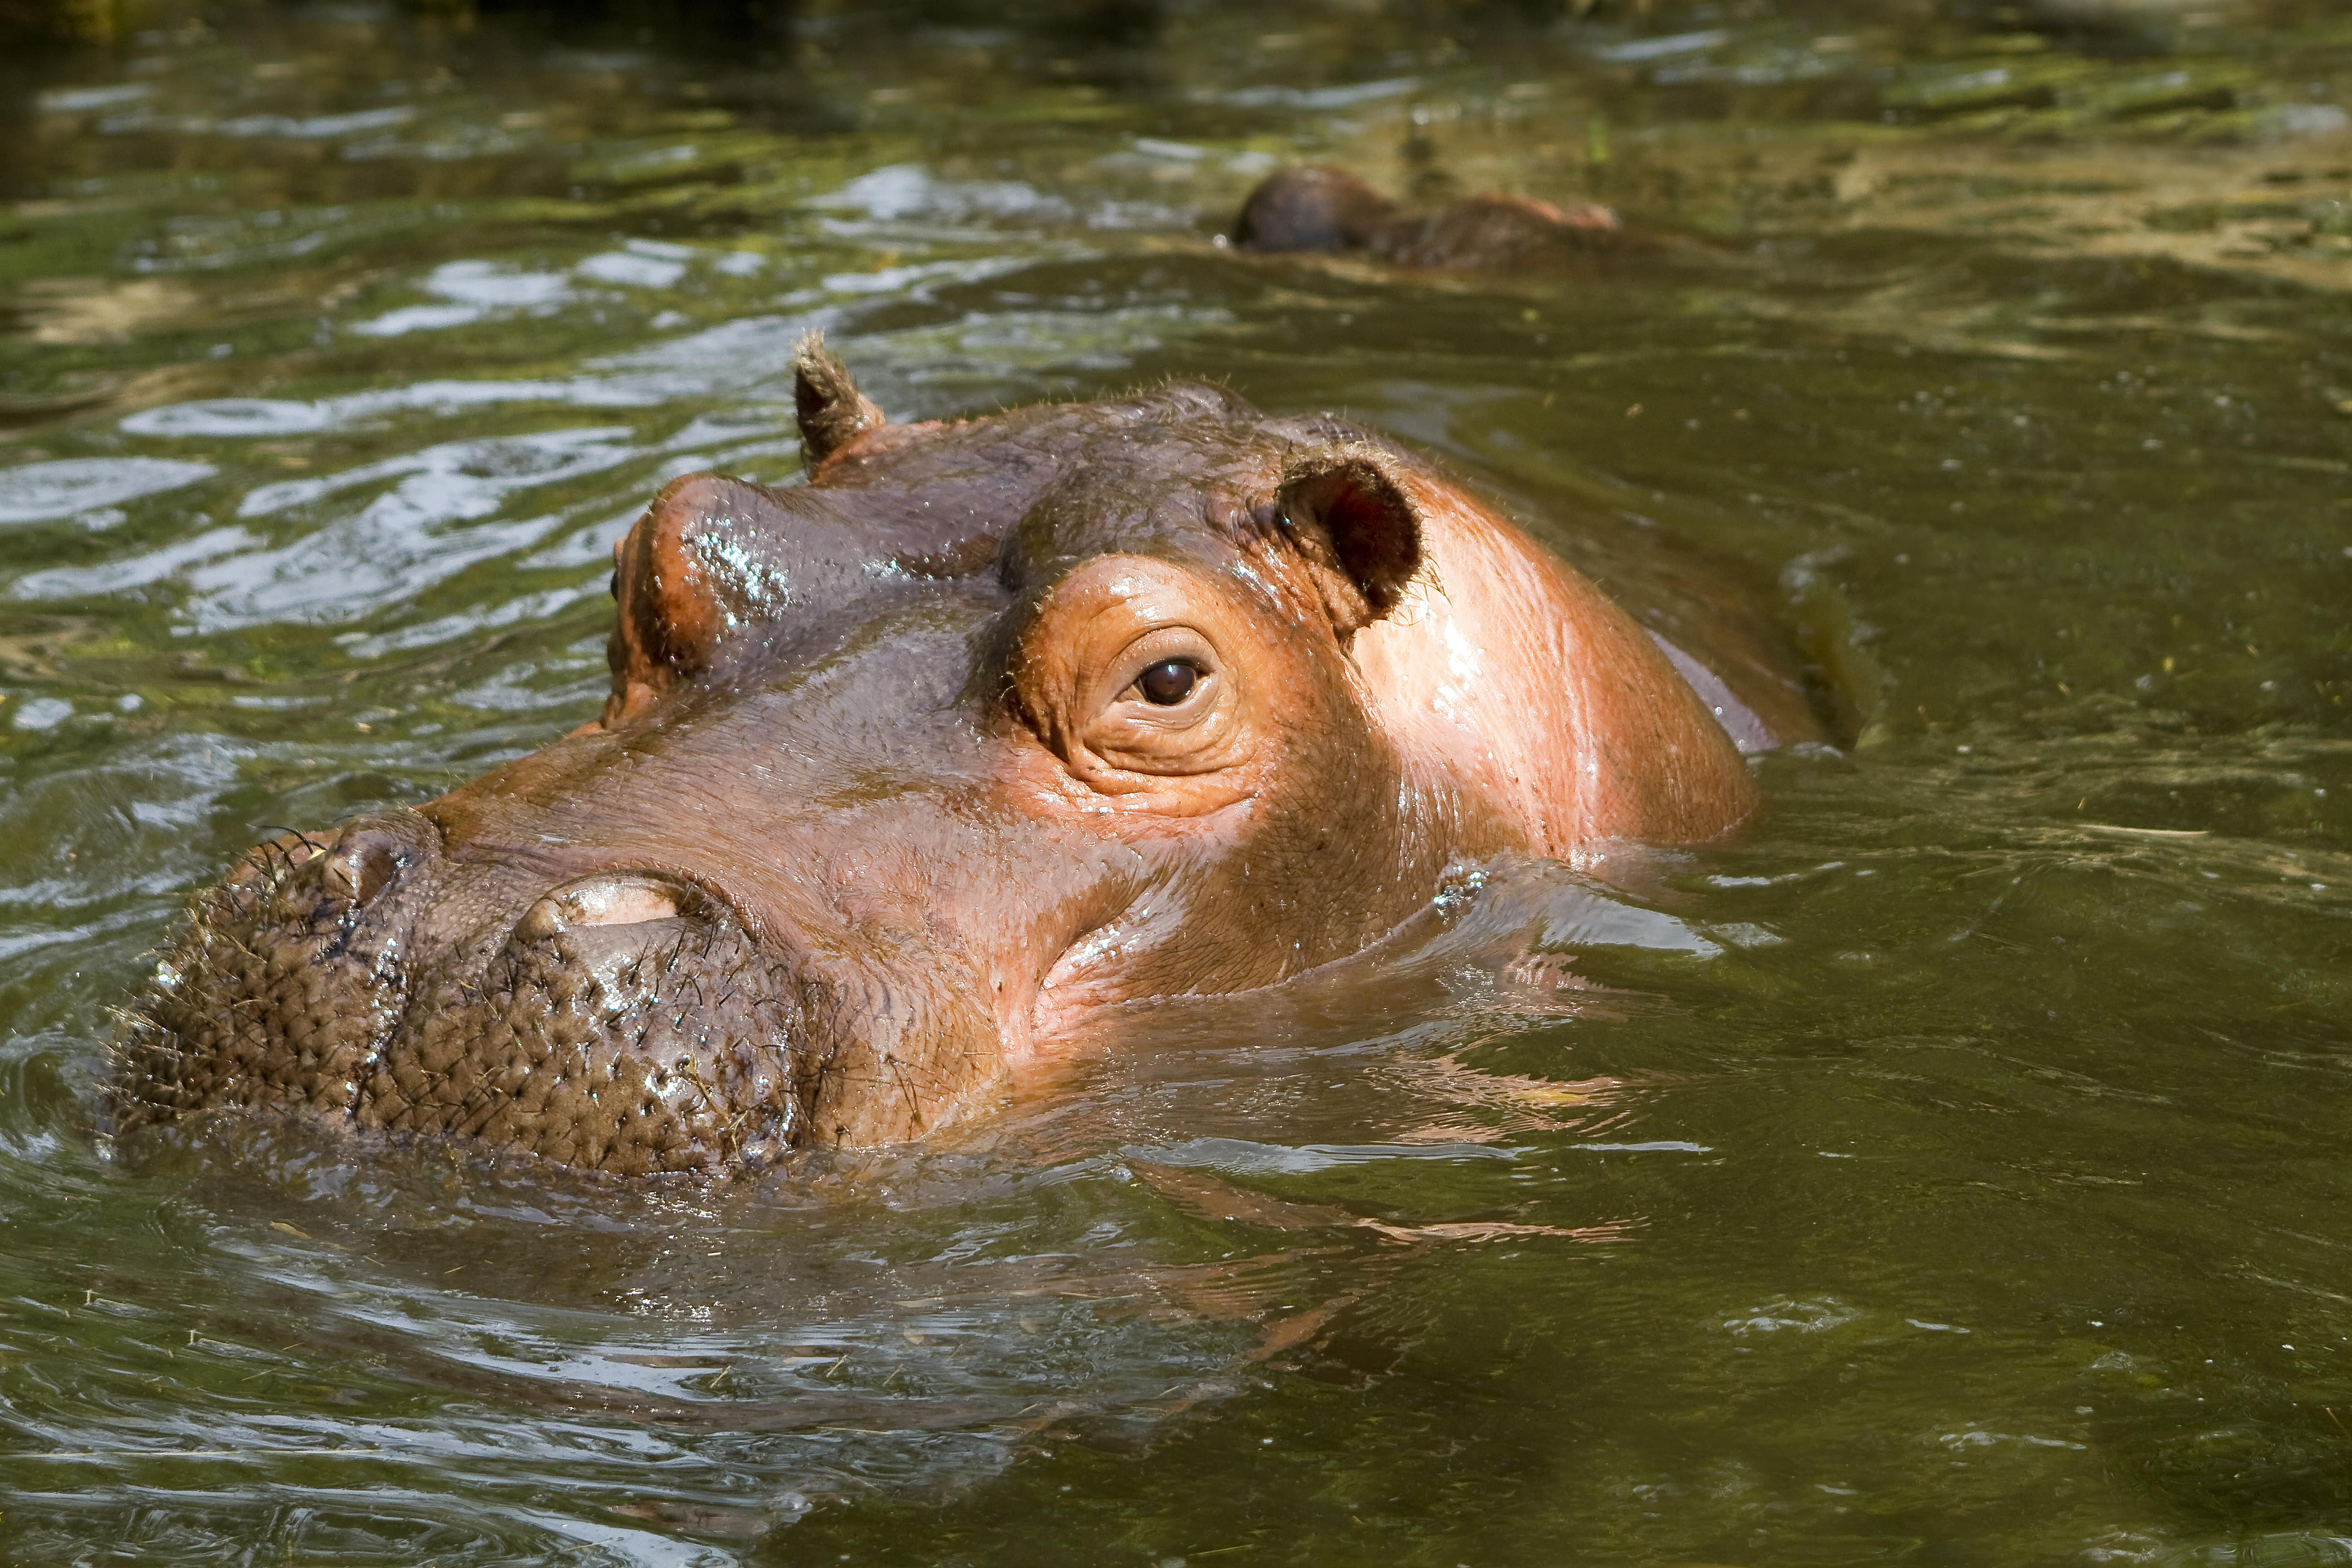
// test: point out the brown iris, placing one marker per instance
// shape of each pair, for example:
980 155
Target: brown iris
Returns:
1169 682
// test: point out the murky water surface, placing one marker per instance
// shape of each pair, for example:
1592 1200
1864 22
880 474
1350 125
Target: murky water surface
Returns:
1955 1172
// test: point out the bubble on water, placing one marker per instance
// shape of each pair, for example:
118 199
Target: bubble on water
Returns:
1805 1316
43 713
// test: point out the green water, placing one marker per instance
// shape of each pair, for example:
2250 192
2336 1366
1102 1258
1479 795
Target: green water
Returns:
1953 1173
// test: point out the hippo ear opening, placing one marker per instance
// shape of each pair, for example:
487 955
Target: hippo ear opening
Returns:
1355 497
833 412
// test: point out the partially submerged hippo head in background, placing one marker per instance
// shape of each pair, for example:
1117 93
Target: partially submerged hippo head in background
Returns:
1316 207
908 770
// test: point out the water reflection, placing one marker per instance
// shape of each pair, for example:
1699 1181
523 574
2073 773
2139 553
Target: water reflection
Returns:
89 490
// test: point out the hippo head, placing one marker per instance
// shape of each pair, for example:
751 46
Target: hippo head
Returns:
907 770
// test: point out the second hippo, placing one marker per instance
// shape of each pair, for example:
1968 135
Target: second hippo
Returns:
1316 207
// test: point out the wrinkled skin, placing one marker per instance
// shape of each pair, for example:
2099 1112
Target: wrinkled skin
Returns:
909 770
1315 207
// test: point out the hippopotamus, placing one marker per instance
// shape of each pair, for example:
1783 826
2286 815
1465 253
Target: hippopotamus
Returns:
982 731
1317 207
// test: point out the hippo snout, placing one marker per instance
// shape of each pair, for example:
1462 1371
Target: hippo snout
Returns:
623 1024
290 976
620 1021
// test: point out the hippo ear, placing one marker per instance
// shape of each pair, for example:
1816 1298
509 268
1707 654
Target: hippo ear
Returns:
833 412
1354 498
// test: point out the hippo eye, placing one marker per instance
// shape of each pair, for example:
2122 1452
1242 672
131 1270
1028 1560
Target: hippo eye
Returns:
1169 682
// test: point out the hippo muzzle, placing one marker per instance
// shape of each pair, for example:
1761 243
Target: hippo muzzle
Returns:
620 1022
911 769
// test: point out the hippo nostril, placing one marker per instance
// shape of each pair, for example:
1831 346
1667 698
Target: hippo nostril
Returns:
609 900
359 867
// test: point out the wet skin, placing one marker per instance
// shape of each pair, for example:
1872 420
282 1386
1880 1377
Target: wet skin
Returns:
910 771
1315 207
